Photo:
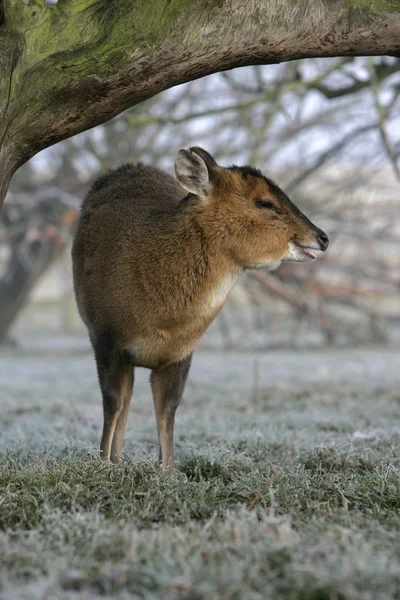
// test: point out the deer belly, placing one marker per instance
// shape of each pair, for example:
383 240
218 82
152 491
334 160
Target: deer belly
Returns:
162 347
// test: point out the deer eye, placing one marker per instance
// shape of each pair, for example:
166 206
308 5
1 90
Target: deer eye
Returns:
268 205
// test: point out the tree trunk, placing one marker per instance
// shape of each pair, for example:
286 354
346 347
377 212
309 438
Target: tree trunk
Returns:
43 238
21 275
69 67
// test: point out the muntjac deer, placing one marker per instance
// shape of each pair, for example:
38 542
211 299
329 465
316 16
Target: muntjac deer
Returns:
154 259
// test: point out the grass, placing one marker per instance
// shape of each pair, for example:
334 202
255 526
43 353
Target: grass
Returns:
290 493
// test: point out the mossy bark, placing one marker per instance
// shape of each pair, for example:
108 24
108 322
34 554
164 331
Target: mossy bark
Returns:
66 68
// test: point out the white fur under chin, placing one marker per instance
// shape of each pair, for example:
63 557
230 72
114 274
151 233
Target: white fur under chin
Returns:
220 294
267 265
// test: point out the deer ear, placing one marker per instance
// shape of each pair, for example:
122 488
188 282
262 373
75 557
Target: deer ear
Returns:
192 173
211 164
206 156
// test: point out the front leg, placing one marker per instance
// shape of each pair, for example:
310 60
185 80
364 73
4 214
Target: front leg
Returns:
167 384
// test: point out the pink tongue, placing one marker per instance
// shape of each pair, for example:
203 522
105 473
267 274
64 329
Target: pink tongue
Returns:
311 254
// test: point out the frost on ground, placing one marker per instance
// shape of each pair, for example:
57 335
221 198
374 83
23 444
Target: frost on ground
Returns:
287 486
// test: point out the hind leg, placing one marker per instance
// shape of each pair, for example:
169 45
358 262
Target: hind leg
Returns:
167 385
116 382
118 438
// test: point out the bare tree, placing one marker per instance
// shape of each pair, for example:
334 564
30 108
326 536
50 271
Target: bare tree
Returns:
68 67
35 234
261 115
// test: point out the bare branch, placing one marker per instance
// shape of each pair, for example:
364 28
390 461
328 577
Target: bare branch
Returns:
382 112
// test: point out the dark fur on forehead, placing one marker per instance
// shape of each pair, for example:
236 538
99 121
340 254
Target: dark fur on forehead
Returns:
246 171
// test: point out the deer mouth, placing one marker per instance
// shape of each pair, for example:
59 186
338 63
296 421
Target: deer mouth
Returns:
306 251
299 252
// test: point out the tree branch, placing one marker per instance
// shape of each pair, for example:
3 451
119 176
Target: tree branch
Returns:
381 118
325 156
382 71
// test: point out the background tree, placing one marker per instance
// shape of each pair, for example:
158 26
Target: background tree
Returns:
303 123
68 67
35 234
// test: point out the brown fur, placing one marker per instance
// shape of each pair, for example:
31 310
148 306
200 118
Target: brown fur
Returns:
153 265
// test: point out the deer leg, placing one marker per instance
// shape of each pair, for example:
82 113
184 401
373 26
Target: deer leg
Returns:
167 384
116 382
118 439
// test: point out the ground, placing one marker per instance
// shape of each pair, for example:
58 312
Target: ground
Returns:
287 485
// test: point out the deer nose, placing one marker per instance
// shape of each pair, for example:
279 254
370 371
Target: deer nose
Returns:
322 239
